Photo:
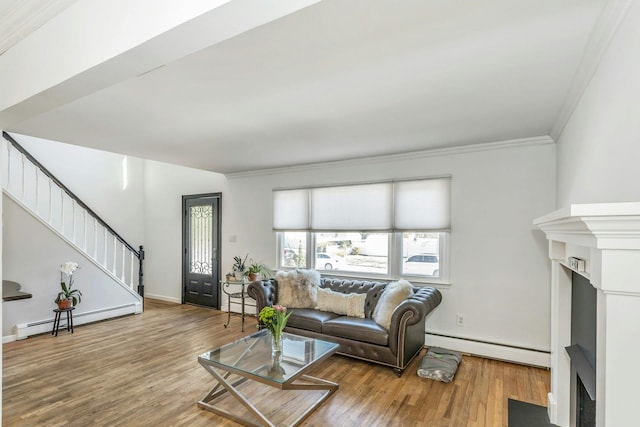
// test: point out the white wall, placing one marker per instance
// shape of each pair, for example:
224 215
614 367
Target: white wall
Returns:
32 255
96 177
165 185
499 269
599 149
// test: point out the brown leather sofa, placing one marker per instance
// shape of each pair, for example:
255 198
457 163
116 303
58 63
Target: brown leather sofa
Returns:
360 338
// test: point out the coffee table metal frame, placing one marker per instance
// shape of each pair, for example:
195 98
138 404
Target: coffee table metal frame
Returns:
293 383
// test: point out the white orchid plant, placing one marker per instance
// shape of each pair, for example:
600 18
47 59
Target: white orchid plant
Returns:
67 269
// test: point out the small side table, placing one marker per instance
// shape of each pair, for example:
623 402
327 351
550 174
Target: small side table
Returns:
240 294
56 320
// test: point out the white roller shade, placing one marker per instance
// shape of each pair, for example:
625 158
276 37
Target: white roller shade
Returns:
422 205
291 210
355 207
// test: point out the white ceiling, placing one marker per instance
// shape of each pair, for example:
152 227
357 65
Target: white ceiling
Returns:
343 79
19 18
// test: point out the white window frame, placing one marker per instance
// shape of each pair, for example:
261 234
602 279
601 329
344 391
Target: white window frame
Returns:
395 261
395 240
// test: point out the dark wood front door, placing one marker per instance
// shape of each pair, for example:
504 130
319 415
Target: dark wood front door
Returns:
201 243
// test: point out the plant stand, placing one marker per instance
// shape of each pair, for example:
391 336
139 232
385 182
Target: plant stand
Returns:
56 320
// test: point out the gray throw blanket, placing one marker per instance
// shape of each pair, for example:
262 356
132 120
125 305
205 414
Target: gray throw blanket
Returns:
439 364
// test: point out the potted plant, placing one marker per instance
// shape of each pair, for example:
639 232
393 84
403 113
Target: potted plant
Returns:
68 297
239 267
257 268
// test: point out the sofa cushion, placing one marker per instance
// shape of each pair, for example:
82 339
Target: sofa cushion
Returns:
372 289
309 319
364 330
339 303
394 293
298 288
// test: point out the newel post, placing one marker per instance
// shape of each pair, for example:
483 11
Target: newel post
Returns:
141 274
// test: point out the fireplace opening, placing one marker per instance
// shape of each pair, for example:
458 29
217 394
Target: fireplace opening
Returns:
585 406
584 302
582 351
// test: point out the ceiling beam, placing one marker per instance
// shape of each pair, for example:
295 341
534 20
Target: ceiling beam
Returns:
93 45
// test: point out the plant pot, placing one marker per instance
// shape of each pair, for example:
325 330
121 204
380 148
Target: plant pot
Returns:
253 277
65 303
239 275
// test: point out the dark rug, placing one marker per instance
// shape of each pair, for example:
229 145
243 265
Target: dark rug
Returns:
523 414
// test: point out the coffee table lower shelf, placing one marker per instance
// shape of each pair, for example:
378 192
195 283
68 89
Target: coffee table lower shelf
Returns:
312 384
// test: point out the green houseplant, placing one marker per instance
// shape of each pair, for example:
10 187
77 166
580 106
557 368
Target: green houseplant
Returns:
257 268
68 297
239 266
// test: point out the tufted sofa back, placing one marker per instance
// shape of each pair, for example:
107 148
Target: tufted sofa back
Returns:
372 289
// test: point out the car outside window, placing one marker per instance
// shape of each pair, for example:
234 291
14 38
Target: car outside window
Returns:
365 254
352 252
422 254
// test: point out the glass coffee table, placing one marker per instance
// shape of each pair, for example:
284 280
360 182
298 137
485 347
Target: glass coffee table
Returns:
251 359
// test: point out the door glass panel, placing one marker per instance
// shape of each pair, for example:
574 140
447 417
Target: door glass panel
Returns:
201 239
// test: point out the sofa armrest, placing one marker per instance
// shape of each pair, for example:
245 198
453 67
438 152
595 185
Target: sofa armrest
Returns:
265 293
412 311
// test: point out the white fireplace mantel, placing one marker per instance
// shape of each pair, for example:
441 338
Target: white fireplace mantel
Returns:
607 238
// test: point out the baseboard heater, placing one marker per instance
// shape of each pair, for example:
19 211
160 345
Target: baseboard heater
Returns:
25 330
505 352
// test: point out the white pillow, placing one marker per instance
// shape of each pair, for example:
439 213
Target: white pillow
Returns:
394 293
335 302
298 288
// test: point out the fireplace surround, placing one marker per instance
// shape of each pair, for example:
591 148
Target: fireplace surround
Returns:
607 238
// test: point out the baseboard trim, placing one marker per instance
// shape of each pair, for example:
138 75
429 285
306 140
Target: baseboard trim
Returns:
552 408
236 307
8 338
25 330
163 298
491 351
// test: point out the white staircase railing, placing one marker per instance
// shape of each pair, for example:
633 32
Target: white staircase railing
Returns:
31 185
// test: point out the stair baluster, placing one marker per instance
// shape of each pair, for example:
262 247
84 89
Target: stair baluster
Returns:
22 196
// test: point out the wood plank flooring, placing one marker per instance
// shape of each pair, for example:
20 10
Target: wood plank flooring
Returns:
142 370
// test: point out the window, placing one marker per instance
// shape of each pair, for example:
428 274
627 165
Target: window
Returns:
387 229
421 254
293 249
352 252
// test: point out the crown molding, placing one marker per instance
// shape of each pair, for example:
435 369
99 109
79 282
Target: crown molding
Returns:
435 152
605 28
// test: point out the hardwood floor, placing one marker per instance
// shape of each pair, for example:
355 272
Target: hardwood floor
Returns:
142 370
